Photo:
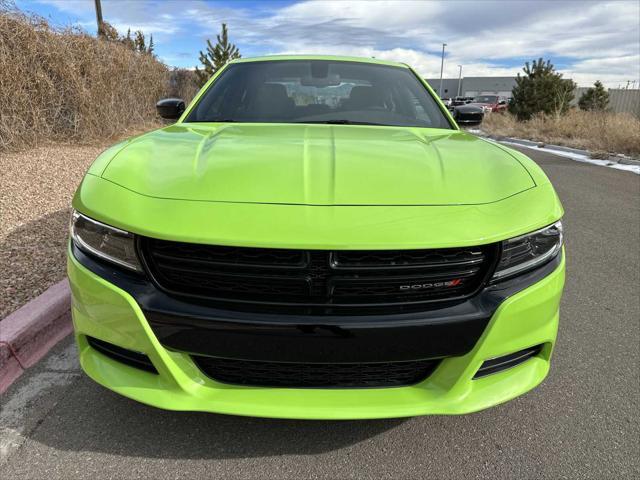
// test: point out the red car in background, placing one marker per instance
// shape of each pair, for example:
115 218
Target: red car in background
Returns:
491 103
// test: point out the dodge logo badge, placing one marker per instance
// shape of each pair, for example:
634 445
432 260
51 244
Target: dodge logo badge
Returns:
425 286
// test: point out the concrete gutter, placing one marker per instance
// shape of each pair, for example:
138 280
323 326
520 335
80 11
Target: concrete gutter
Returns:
30 332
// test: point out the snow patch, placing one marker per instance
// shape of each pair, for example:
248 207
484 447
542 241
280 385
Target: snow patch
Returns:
578 157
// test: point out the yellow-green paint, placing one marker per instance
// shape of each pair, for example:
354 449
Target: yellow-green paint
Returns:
316 187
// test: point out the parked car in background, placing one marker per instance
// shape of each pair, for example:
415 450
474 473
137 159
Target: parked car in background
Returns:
446 101
491 103
460 101
468 114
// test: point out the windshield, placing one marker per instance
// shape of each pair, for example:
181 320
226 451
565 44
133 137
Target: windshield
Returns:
486 99
318 91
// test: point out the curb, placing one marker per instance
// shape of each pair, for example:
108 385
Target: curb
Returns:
27 334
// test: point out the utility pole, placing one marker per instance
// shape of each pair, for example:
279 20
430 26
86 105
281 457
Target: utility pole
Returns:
459 78
99 18
441 69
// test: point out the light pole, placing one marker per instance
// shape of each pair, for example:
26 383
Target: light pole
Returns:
441 69
459 78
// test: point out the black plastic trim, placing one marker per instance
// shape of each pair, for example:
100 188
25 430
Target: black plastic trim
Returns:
122 355
504 362
445 329
315 375
369 306
335 264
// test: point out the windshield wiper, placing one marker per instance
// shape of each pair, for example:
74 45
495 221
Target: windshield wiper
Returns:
341 122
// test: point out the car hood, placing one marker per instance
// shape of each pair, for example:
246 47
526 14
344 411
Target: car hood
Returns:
317 165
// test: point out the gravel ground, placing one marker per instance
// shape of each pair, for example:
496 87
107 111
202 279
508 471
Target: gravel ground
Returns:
37 187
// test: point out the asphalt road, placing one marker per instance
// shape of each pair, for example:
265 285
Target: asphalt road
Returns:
582 422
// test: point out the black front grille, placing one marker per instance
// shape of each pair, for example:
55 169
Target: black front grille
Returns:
315 375
320 282
469 117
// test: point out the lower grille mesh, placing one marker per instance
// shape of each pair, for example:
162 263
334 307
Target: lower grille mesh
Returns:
315 375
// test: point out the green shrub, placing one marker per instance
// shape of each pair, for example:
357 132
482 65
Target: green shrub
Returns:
541 90
595 98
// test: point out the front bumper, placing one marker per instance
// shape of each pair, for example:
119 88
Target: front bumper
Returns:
104 311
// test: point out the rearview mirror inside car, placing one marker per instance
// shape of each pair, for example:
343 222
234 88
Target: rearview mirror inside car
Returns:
331 80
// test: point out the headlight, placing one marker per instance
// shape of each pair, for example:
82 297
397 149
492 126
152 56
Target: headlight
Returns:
108 243
529 251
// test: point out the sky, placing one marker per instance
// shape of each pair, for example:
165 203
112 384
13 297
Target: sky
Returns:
585 40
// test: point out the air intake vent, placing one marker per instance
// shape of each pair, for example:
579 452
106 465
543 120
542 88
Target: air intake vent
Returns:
315 375
498 364
122 355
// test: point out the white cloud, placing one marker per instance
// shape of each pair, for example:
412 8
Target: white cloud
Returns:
589 40
612 72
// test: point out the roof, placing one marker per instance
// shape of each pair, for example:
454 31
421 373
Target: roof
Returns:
336 58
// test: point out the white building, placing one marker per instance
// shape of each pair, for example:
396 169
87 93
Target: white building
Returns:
472 86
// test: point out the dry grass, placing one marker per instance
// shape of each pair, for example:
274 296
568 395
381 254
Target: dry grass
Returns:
60 87
62 84
594 131
183 84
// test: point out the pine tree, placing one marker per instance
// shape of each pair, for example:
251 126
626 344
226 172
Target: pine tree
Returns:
136 43
139 42
216 56
595 98
127 40
541 90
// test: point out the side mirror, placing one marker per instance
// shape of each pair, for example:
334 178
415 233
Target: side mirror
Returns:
502 102
170 108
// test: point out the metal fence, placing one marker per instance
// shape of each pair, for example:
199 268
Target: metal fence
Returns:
620 99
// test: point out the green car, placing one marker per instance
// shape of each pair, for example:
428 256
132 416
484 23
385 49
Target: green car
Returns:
314 237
